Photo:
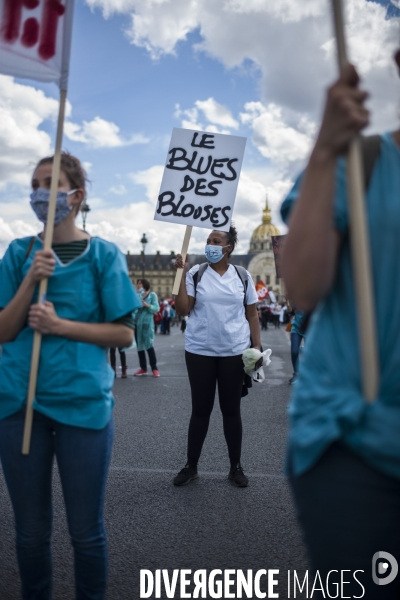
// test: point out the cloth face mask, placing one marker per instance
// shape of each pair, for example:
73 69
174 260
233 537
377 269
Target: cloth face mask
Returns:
40 205
214 253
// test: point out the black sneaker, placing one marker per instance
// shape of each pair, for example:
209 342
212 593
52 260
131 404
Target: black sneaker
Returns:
185 476
237 476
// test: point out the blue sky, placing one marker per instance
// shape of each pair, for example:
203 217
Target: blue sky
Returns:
255 68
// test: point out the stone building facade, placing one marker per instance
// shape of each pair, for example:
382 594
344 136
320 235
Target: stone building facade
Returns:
158 268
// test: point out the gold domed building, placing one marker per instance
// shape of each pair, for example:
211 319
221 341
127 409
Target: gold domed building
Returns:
261 238
262 264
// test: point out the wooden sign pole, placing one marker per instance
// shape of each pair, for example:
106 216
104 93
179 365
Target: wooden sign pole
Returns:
360 246
179 273
48 239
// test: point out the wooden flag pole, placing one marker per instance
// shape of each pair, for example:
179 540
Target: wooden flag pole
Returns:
360 246
48 239
179 273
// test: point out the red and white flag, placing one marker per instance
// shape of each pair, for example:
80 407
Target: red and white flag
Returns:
35 39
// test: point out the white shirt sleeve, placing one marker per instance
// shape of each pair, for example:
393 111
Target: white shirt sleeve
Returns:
189 281
251 294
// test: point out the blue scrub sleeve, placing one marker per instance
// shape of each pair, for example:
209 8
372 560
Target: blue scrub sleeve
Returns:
118 296
10 276
340 216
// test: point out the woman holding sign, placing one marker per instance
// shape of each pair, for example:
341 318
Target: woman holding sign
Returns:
344 453
89 304
221 301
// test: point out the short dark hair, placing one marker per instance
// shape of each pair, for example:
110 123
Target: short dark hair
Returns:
145 283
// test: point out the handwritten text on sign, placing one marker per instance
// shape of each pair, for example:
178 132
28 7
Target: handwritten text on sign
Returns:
29 30
200 179
31 38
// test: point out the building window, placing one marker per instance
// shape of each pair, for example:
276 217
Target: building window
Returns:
159 290
167 291
257 278
159 281
276 280
268 279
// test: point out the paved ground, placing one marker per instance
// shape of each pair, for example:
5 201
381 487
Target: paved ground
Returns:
208 524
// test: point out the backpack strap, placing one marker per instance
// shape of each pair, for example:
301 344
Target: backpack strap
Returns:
244 278
241 272
371 148
198 275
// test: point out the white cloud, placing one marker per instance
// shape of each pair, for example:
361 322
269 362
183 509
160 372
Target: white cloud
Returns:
176 19
22 143
151 180
287 10
288 40
110 7
214 113
100 133
217 113
119 190
11 228
276 139
23 111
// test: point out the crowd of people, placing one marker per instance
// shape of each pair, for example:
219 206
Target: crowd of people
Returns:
343 459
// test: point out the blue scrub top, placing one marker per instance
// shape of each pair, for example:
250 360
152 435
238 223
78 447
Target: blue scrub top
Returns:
74 379
327 402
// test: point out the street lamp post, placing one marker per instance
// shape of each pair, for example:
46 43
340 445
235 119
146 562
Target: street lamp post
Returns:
84 208
143 241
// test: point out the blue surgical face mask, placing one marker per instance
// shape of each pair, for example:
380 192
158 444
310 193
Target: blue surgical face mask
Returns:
40 205
214 253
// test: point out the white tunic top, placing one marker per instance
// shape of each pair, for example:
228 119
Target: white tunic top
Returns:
217 324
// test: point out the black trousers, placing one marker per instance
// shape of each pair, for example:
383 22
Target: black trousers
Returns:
348 512
205 373
152 359
122 356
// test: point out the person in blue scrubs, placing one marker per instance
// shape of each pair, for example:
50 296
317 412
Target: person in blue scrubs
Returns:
89 307
344 454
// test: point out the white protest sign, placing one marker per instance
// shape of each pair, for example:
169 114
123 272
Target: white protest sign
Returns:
200 179
35 39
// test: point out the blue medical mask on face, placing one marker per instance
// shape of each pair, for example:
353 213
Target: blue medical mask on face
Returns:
214 253
40 205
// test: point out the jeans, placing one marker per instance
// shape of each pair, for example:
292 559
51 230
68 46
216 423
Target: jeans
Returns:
295 343
83 457
348 512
